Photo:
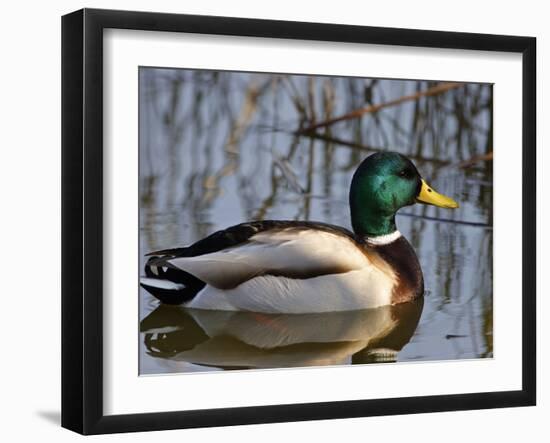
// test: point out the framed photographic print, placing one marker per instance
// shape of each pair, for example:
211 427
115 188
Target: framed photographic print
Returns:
269 221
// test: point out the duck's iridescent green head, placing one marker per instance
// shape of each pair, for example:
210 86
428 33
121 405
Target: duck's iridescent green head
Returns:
382 184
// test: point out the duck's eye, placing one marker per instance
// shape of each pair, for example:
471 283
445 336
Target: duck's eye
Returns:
405 173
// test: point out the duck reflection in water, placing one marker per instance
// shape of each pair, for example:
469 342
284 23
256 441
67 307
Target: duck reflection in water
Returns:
246 340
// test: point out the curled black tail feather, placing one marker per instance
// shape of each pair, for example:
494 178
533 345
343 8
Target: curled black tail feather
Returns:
188 287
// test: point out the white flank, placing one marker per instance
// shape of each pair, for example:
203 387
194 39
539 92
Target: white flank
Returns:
359 289
161 284
291 250
290 271
383 239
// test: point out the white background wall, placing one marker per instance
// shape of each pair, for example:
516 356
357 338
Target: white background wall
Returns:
30 222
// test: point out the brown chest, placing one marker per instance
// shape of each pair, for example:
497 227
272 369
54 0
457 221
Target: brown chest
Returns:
401 258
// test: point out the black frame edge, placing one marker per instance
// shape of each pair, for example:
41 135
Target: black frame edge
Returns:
529 220
82 190
294 30
306 412
72 117
93 222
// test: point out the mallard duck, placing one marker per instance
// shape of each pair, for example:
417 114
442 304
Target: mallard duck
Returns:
275 266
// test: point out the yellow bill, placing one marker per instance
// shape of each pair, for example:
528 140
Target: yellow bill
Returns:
429 197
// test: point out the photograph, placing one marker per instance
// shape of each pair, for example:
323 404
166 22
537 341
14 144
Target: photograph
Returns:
296 218
291 220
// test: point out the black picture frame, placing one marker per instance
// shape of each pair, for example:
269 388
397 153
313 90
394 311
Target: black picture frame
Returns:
82 219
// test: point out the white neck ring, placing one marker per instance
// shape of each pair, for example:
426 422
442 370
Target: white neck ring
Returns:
383 239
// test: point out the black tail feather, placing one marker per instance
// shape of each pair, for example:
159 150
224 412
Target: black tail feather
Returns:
191 284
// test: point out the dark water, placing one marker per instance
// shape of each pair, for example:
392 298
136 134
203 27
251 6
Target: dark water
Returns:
220 148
